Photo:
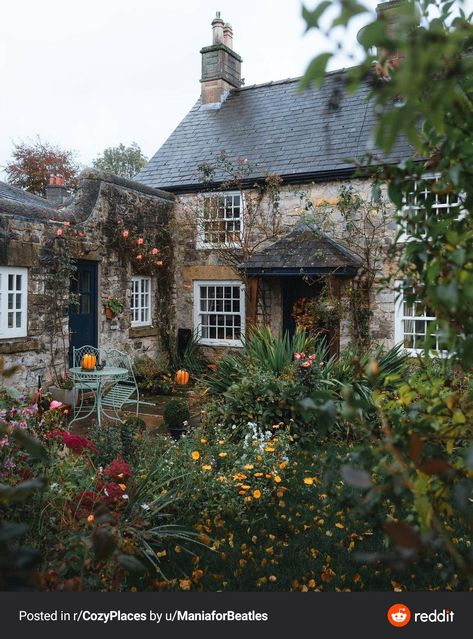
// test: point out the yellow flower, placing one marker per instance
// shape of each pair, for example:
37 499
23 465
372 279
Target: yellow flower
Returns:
258 474
221 442
283 464
90 518
195 454
308 480
269 449
134 589
256 494
206 467
248 467
272 578
122 486
185 584
203 440
269 550
277 479
311 583
339 525
222 454
162 553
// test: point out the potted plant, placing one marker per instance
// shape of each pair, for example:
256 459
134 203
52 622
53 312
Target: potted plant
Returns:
113 307
176 417
63 391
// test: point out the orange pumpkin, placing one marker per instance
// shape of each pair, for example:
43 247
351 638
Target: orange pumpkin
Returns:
88 362
182 377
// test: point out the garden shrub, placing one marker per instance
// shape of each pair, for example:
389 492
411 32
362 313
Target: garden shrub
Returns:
176 413
107 440
152 375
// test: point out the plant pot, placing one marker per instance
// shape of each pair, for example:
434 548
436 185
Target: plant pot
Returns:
177 433
109 314
63 395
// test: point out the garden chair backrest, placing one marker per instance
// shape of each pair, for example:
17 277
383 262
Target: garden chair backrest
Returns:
78 354
118 359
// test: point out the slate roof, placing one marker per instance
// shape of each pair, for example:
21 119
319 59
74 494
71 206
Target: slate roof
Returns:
9 192
278 128
305 250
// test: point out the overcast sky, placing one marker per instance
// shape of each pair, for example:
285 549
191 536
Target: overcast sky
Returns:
87 75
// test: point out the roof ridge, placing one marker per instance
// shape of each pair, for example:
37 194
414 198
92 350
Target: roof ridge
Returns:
287 80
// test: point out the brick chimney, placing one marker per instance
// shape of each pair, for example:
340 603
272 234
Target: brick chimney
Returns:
221 66
389 12
56 192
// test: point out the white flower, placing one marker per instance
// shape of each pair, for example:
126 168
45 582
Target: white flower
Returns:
125 497
145 506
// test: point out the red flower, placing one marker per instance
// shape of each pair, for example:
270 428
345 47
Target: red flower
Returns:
118 469
78 444
112 493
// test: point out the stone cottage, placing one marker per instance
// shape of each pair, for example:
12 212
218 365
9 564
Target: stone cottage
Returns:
264 156
61 260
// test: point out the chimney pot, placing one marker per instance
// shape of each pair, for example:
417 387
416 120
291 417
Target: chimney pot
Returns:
217 27
56 192
228 35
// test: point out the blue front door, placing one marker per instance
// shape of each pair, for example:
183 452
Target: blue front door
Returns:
83 315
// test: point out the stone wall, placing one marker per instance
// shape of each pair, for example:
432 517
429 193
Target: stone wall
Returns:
194 264
103 205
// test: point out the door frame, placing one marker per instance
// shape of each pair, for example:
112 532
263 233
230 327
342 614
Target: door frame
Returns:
95 303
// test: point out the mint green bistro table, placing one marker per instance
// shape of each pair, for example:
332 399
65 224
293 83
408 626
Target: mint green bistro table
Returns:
95 381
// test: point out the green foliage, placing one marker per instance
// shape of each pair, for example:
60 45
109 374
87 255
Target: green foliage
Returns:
190 359
108 441
115 305
176 412
152 375
122 160
275 353
423 66
131 433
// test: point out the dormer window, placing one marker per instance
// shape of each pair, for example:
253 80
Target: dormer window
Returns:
221 220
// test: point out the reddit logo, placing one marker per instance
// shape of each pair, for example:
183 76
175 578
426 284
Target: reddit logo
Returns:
399 615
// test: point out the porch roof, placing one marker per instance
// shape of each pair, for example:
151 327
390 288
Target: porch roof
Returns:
306 250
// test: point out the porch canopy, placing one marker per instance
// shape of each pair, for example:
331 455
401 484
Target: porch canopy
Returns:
306 250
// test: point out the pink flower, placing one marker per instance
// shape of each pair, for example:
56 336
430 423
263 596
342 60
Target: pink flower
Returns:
140 241
312 357
125 233
155 251
297 356
306 364
59 232
139 257
159 263
303 355
55 404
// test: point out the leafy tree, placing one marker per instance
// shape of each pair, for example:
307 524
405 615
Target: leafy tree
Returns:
34 162
420 70
122 160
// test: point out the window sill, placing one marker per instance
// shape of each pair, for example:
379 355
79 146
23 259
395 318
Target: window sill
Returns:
143 331
9 346
221 343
